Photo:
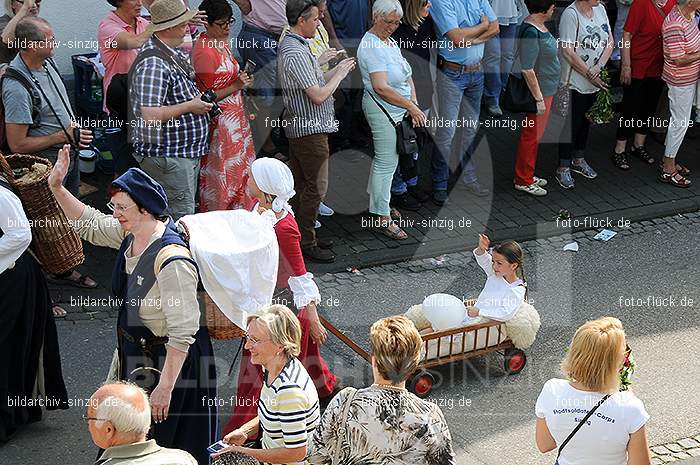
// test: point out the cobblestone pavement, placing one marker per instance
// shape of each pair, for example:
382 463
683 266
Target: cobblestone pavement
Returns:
680 450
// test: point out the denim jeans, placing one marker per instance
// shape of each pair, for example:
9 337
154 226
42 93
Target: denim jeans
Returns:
261 47
498 60
459 100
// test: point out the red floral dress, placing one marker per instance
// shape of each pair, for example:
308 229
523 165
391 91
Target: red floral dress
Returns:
225 169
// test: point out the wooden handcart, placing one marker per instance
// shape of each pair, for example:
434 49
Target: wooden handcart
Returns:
422 381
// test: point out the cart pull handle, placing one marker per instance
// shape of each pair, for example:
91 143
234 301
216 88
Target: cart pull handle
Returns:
346 340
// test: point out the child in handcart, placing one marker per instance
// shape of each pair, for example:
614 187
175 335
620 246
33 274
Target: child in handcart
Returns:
502 295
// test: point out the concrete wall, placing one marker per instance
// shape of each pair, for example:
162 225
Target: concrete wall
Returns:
75 25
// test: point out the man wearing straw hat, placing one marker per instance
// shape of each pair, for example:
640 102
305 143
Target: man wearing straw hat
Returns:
170 125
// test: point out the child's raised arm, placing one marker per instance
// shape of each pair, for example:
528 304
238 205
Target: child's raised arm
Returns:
483 258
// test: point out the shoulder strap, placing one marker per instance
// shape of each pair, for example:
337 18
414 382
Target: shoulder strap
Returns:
581 423
343 425
12 73
393 123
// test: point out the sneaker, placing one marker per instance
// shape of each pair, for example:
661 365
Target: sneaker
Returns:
541 182
317 254
584 169
532 189
418 194
564 178
440 197
494 110
317 224
405 201
477 189
325 210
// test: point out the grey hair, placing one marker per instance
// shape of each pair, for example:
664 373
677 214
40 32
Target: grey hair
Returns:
30 29
125 417
385 7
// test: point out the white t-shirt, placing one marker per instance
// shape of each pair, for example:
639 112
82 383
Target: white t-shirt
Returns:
499 300
603 440
593 35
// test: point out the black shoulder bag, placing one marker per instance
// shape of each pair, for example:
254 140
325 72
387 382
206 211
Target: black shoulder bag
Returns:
581 423
517 97
406 141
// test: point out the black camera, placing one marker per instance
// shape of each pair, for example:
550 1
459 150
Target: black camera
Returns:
209 96
76 138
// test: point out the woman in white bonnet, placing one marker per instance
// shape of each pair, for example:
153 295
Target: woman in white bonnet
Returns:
272 185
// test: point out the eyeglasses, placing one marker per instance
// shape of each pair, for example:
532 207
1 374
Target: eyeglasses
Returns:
396 23
87 418
118 208
225 23
254 341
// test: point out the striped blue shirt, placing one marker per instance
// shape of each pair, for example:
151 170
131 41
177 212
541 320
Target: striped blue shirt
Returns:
288 409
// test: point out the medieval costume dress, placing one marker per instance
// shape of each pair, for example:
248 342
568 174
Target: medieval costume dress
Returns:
158 308
295 289
30 363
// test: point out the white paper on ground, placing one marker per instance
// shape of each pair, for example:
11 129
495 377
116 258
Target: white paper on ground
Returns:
605 235
572 247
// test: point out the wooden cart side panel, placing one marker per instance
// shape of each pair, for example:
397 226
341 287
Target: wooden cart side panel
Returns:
433 362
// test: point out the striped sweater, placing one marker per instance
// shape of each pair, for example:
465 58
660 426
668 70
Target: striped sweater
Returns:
288 409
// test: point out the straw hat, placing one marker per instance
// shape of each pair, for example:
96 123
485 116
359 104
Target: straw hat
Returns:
169 13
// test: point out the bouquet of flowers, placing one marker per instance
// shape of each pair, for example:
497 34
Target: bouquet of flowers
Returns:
602 111
626 372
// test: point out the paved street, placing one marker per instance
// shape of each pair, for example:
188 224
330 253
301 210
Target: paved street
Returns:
490 415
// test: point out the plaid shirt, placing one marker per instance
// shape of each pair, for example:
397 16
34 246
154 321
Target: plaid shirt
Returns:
160 83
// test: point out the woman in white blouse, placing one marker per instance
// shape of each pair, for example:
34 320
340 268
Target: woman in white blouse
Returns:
27 330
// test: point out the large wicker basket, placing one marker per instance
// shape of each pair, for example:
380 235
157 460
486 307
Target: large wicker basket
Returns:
55 244
218 325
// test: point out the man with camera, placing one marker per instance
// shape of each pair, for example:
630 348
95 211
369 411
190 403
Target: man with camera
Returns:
170 123
38 115
308 119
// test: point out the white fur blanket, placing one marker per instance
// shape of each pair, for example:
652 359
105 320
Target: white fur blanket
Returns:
523 327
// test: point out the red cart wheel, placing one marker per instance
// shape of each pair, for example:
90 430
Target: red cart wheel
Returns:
514 361
422 384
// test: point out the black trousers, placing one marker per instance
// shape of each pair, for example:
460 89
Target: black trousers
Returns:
574 133
639 102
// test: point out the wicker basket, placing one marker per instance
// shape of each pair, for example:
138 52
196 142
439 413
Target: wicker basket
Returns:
55 244
218 325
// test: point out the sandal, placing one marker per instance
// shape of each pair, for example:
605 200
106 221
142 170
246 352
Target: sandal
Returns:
395 214
73 278
392 231
642 154
680 169
675 179
620 160
58 312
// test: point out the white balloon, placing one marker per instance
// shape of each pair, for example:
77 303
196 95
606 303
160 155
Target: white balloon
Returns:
444 311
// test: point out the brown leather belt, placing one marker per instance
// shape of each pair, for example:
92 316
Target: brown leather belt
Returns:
442 63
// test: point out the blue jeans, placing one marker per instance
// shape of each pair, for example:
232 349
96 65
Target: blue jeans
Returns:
399 186
459 100
261 47
498 60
